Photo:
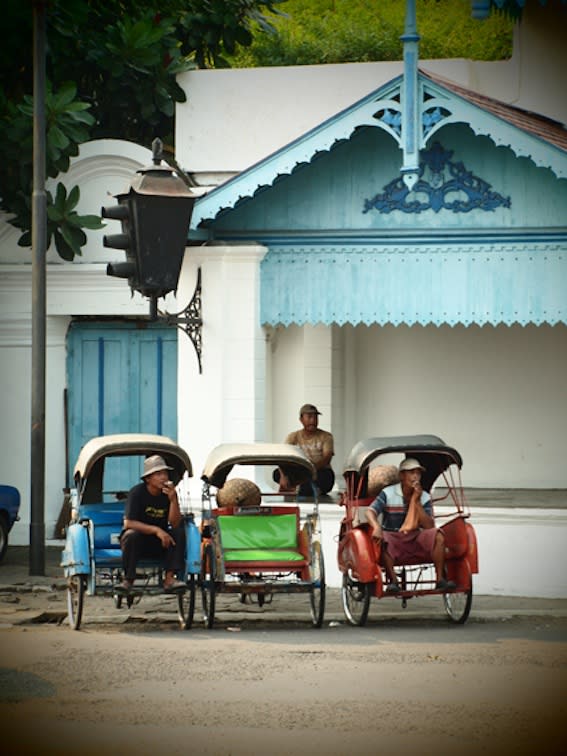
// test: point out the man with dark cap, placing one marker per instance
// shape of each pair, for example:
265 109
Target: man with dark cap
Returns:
407 531
153 526
318 445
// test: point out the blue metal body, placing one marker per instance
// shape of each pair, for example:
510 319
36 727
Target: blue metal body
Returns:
76 557
93 543
193 546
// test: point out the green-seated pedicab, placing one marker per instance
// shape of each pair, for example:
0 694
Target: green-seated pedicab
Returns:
256 542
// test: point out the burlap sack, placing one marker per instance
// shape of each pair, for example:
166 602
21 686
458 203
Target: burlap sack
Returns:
239 492
381 476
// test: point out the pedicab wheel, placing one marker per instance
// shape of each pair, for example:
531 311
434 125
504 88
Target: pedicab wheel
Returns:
356 599
207 580
4 532
186 604
76 586
458 603
317 595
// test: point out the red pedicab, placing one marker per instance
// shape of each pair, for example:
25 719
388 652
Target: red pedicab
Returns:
359 555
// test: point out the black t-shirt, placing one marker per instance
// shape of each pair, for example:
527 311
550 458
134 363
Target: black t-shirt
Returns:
142 506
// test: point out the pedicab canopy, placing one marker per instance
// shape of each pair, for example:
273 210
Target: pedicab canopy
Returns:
296 466
89 468
430 451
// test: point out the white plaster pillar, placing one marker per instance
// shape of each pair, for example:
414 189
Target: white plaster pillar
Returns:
226 402
303 369
15 357
318 369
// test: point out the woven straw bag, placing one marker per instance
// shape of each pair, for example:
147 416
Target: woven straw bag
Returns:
381 476
239 492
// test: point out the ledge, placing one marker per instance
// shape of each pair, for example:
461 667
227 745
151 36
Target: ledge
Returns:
498 498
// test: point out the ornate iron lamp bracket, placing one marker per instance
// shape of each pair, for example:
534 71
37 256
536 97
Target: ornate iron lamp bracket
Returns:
189 320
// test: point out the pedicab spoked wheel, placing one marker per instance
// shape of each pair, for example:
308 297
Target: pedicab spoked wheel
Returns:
207 580
458 603
76 587
356 599
186 603
317 595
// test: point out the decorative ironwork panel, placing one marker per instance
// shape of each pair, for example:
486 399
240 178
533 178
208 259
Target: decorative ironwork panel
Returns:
442 185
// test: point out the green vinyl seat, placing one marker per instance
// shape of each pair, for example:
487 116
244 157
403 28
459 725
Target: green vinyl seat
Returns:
260 538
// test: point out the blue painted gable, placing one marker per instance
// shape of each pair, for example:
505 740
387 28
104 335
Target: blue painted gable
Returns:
465 183
440 106
482 235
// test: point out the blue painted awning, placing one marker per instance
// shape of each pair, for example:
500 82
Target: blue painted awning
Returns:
430 284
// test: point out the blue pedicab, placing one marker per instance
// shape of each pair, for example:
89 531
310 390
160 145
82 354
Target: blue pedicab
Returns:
359 555
106 468
256 542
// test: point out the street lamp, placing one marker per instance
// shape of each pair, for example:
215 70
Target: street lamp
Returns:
155 214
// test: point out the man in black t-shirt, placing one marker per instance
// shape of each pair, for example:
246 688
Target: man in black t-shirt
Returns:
153 526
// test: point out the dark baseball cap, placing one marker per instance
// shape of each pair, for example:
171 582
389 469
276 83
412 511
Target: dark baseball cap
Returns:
309 409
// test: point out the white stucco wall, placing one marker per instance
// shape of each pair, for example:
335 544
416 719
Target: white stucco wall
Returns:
496 394
520 552
220 132
226 402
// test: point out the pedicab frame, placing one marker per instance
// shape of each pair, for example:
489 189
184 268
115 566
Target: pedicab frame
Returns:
260 551
359 554
92 558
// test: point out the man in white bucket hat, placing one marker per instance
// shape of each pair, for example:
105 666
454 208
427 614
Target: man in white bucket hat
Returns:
407 532
153 526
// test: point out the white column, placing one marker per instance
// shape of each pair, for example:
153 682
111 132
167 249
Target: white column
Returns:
15 342
318 369
226 402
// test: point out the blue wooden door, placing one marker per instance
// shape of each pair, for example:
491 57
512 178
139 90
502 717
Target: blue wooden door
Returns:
120 379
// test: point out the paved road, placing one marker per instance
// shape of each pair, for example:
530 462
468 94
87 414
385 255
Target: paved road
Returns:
401 685
264 681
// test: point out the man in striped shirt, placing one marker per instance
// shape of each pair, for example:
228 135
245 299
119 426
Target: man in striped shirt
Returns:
402 521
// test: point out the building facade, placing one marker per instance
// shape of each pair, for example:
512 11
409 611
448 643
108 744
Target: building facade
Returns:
436 308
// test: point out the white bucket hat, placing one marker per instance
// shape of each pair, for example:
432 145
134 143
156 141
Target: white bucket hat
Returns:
410 464
154 464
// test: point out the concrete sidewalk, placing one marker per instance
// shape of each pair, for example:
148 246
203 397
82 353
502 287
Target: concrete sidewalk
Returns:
25 598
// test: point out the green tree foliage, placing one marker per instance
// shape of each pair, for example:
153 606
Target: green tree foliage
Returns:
342 31
68 125
111 67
